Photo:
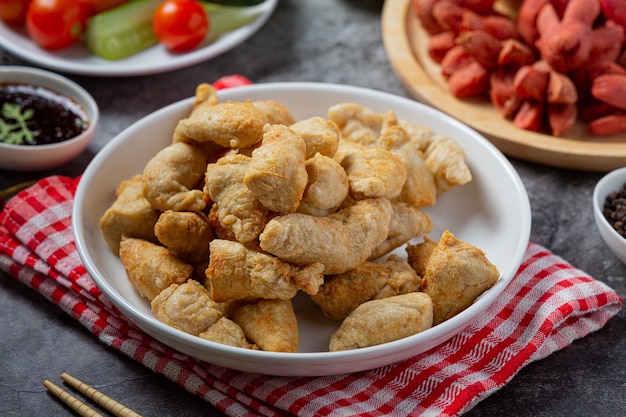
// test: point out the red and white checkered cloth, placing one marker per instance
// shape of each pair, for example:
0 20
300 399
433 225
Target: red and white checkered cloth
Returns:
547 306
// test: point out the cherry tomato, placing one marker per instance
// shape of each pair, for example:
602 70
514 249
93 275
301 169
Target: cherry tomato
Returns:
180 25
55 24
13 11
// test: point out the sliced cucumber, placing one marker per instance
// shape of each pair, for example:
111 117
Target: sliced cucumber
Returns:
225 19
122 31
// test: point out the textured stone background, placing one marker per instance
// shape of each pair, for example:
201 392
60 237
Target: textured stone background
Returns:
334 41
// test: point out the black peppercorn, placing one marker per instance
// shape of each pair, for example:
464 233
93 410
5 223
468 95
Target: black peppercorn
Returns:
614 210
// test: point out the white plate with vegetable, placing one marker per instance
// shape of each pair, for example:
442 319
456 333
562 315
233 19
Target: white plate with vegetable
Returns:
229 27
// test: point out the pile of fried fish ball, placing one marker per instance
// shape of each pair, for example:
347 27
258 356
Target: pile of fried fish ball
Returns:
247 207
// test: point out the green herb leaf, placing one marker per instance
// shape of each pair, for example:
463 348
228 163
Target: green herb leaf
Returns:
14 125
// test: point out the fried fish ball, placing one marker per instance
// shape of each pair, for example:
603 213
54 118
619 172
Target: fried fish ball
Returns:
231 124
446 160
129 215
236 272
456 274
320 135
356 123
327 186
402 278
152 268
205 95
270 324
407 222
238 209
170 178
341 294
186 233
420 135
276 113
374 172
385 320
226 332
277 174
187 307
418 254
340 241
419 189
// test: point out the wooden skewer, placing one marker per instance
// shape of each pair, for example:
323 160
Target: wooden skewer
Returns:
73 402
106 402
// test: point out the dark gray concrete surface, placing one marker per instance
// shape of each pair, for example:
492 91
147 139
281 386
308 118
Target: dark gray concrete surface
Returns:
335 41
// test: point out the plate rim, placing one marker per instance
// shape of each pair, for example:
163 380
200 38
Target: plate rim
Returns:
302 363
597 155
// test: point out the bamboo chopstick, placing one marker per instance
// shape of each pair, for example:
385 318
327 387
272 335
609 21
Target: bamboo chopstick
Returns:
73 402
119 410
109 403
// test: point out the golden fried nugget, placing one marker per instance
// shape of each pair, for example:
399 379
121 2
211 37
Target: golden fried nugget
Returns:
419 189
382 321
456 274
374 172
226 332
340 241
129 215
277 174
320 135
402 278
187 307
418 254
444 157
342 293
407 222
205 95
270 324
236 272
230 124
152 268
219 231
357 123
446 160
420 135
276 113
238 209
327 186
172 178
186 233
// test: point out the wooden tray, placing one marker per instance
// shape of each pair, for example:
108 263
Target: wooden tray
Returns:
405 42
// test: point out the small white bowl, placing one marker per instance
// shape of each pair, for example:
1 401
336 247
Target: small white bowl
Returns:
612 181
40 157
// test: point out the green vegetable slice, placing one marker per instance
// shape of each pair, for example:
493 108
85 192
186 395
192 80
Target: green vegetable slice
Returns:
122 31
224 19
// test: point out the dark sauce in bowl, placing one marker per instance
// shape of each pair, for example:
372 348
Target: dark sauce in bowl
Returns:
33 115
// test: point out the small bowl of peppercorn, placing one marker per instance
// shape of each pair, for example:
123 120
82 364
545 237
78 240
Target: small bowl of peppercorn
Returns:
609 210
46 119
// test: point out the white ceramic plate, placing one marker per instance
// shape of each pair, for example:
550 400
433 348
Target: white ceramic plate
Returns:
492 212
77 59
